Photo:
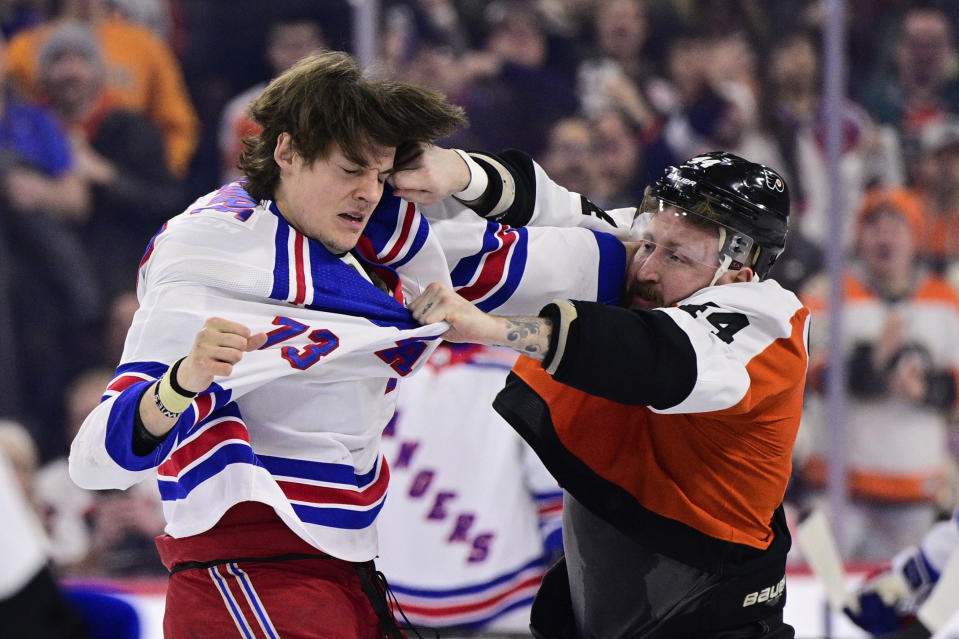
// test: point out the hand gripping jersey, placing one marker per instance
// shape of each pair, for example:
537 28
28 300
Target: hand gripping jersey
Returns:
472 513
298 423
674 425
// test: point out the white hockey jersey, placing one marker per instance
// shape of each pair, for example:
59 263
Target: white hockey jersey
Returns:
473 514
297 425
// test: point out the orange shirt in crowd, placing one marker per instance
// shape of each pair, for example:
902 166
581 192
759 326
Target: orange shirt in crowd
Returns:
141 70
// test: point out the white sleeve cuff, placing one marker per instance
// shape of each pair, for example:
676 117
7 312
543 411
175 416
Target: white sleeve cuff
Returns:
567 314
478 179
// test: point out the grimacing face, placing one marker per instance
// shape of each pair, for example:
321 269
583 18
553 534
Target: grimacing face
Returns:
331 199
675 259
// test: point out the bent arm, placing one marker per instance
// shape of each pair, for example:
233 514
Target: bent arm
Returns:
507 187
527 335
689 358
632 357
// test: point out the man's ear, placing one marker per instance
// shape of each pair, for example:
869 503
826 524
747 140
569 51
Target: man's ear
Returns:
283 153
745 274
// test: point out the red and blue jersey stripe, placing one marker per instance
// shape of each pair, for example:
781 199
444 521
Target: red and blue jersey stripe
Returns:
491 275
473 605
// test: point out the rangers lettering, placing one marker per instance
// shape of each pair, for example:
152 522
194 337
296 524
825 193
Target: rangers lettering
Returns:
405 454
439 505
421 483
463 524
481 547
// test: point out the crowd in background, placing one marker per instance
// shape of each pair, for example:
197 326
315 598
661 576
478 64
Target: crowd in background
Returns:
117 113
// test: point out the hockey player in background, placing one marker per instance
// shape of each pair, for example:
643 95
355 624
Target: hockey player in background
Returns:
473 517
670 423
887 603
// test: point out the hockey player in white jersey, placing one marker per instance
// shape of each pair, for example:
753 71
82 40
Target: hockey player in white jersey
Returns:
261 367
473 517
670 423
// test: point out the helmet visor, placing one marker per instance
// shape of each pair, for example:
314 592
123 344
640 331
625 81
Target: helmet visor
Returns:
734 247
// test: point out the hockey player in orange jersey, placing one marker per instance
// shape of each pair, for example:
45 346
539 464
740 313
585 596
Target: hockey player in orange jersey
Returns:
669 423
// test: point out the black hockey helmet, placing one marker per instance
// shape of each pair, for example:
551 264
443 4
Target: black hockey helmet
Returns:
746 197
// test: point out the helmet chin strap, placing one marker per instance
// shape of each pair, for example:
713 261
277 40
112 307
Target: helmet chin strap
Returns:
725 259
722 270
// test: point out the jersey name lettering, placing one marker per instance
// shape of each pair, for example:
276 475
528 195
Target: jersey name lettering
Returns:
442 501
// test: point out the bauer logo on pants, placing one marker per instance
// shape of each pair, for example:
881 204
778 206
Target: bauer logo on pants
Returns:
770 594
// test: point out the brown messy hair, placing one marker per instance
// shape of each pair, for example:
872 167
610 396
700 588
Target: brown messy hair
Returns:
326 99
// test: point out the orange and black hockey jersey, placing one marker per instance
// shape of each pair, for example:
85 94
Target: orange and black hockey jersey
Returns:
676 425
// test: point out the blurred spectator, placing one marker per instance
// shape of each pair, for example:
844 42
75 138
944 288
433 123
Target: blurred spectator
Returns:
570 18
709 98
718 18
36 164
69 513
426 60
141 69
792 112
21 453
728 85
622 160
570 156
31 604
63 506
119 316
437 20
157 15
923 85
115 151
690 100
287 40
616 74
899 327
937 183
20 14
49 288
123 526
517 93
473 514
96 533
620 28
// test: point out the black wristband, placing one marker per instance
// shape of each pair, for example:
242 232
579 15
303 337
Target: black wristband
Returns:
143 442
176 385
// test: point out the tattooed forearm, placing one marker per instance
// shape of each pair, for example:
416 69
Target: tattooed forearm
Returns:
529 335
